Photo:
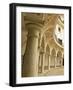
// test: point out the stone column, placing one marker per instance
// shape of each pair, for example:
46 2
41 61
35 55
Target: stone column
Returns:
49 63
43 62
30 65
55 61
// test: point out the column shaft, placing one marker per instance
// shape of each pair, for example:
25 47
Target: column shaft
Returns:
43 62
55 61
49 63
30 66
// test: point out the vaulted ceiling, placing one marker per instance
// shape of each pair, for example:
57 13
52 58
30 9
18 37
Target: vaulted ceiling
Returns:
47 22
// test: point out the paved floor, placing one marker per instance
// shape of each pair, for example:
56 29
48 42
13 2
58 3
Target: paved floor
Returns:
53 71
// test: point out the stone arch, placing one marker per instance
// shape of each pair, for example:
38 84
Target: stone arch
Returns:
59 54
53 52
48 49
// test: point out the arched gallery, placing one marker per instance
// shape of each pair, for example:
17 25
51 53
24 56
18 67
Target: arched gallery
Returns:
42 44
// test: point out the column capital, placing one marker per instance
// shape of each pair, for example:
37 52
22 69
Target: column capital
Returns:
33 29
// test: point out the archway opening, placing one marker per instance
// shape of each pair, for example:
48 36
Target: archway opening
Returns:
47 54
53 55
59 59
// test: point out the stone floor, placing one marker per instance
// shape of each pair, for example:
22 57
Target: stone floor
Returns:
53 72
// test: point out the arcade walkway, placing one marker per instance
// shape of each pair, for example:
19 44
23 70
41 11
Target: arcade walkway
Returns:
42 44
53 71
